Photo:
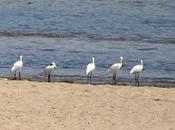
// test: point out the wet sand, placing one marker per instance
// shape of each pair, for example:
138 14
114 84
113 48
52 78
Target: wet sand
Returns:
27 105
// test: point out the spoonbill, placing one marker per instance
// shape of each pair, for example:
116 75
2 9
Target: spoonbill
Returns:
49 69
114 69
136 70
89 70
17 67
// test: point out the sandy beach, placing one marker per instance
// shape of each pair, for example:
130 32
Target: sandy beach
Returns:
27 105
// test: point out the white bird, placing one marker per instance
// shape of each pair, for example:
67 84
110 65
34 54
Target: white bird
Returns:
115 68
17 67
49 69
89 70
136 70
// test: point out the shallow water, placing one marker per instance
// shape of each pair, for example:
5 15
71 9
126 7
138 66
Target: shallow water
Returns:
71 32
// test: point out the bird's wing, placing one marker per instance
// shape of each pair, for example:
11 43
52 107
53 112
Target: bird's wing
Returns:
136 69
17 65
114 67
90 68
48 69
13 69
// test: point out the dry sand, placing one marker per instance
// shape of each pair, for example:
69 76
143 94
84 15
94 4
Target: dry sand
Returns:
27 105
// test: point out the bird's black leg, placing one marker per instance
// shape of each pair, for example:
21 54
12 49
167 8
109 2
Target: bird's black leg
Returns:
15 75
49 77
87 78
90 77
135 79
115 78
19 75
138 79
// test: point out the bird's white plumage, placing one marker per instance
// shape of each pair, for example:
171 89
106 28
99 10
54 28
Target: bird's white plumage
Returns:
115 67
137 69
17 65
50 68
91 66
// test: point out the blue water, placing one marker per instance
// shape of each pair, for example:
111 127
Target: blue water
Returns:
71 32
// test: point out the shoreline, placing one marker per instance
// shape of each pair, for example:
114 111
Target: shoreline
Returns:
160 84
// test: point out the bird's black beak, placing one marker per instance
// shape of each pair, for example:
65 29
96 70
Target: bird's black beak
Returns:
123 65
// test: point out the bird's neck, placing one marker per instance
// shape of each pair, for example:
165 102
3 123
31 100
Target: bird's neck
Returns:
141 63
93 61
20 58
121 61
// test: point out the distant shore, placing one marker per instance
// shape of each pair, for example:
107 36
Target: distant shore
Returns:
31 105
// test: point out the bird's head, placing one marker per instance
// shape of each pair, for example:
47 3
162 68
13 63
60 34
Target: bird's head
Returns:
141 62
21 57
54 65
93 59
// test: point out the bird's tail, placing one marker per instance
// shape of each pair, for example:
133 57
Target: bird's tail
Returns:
87 72
13 69
131 72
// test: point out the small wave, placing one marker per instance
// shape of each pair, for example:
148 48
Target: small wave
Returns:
148 49
169 40
135 37
97 37
18 34
48 50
